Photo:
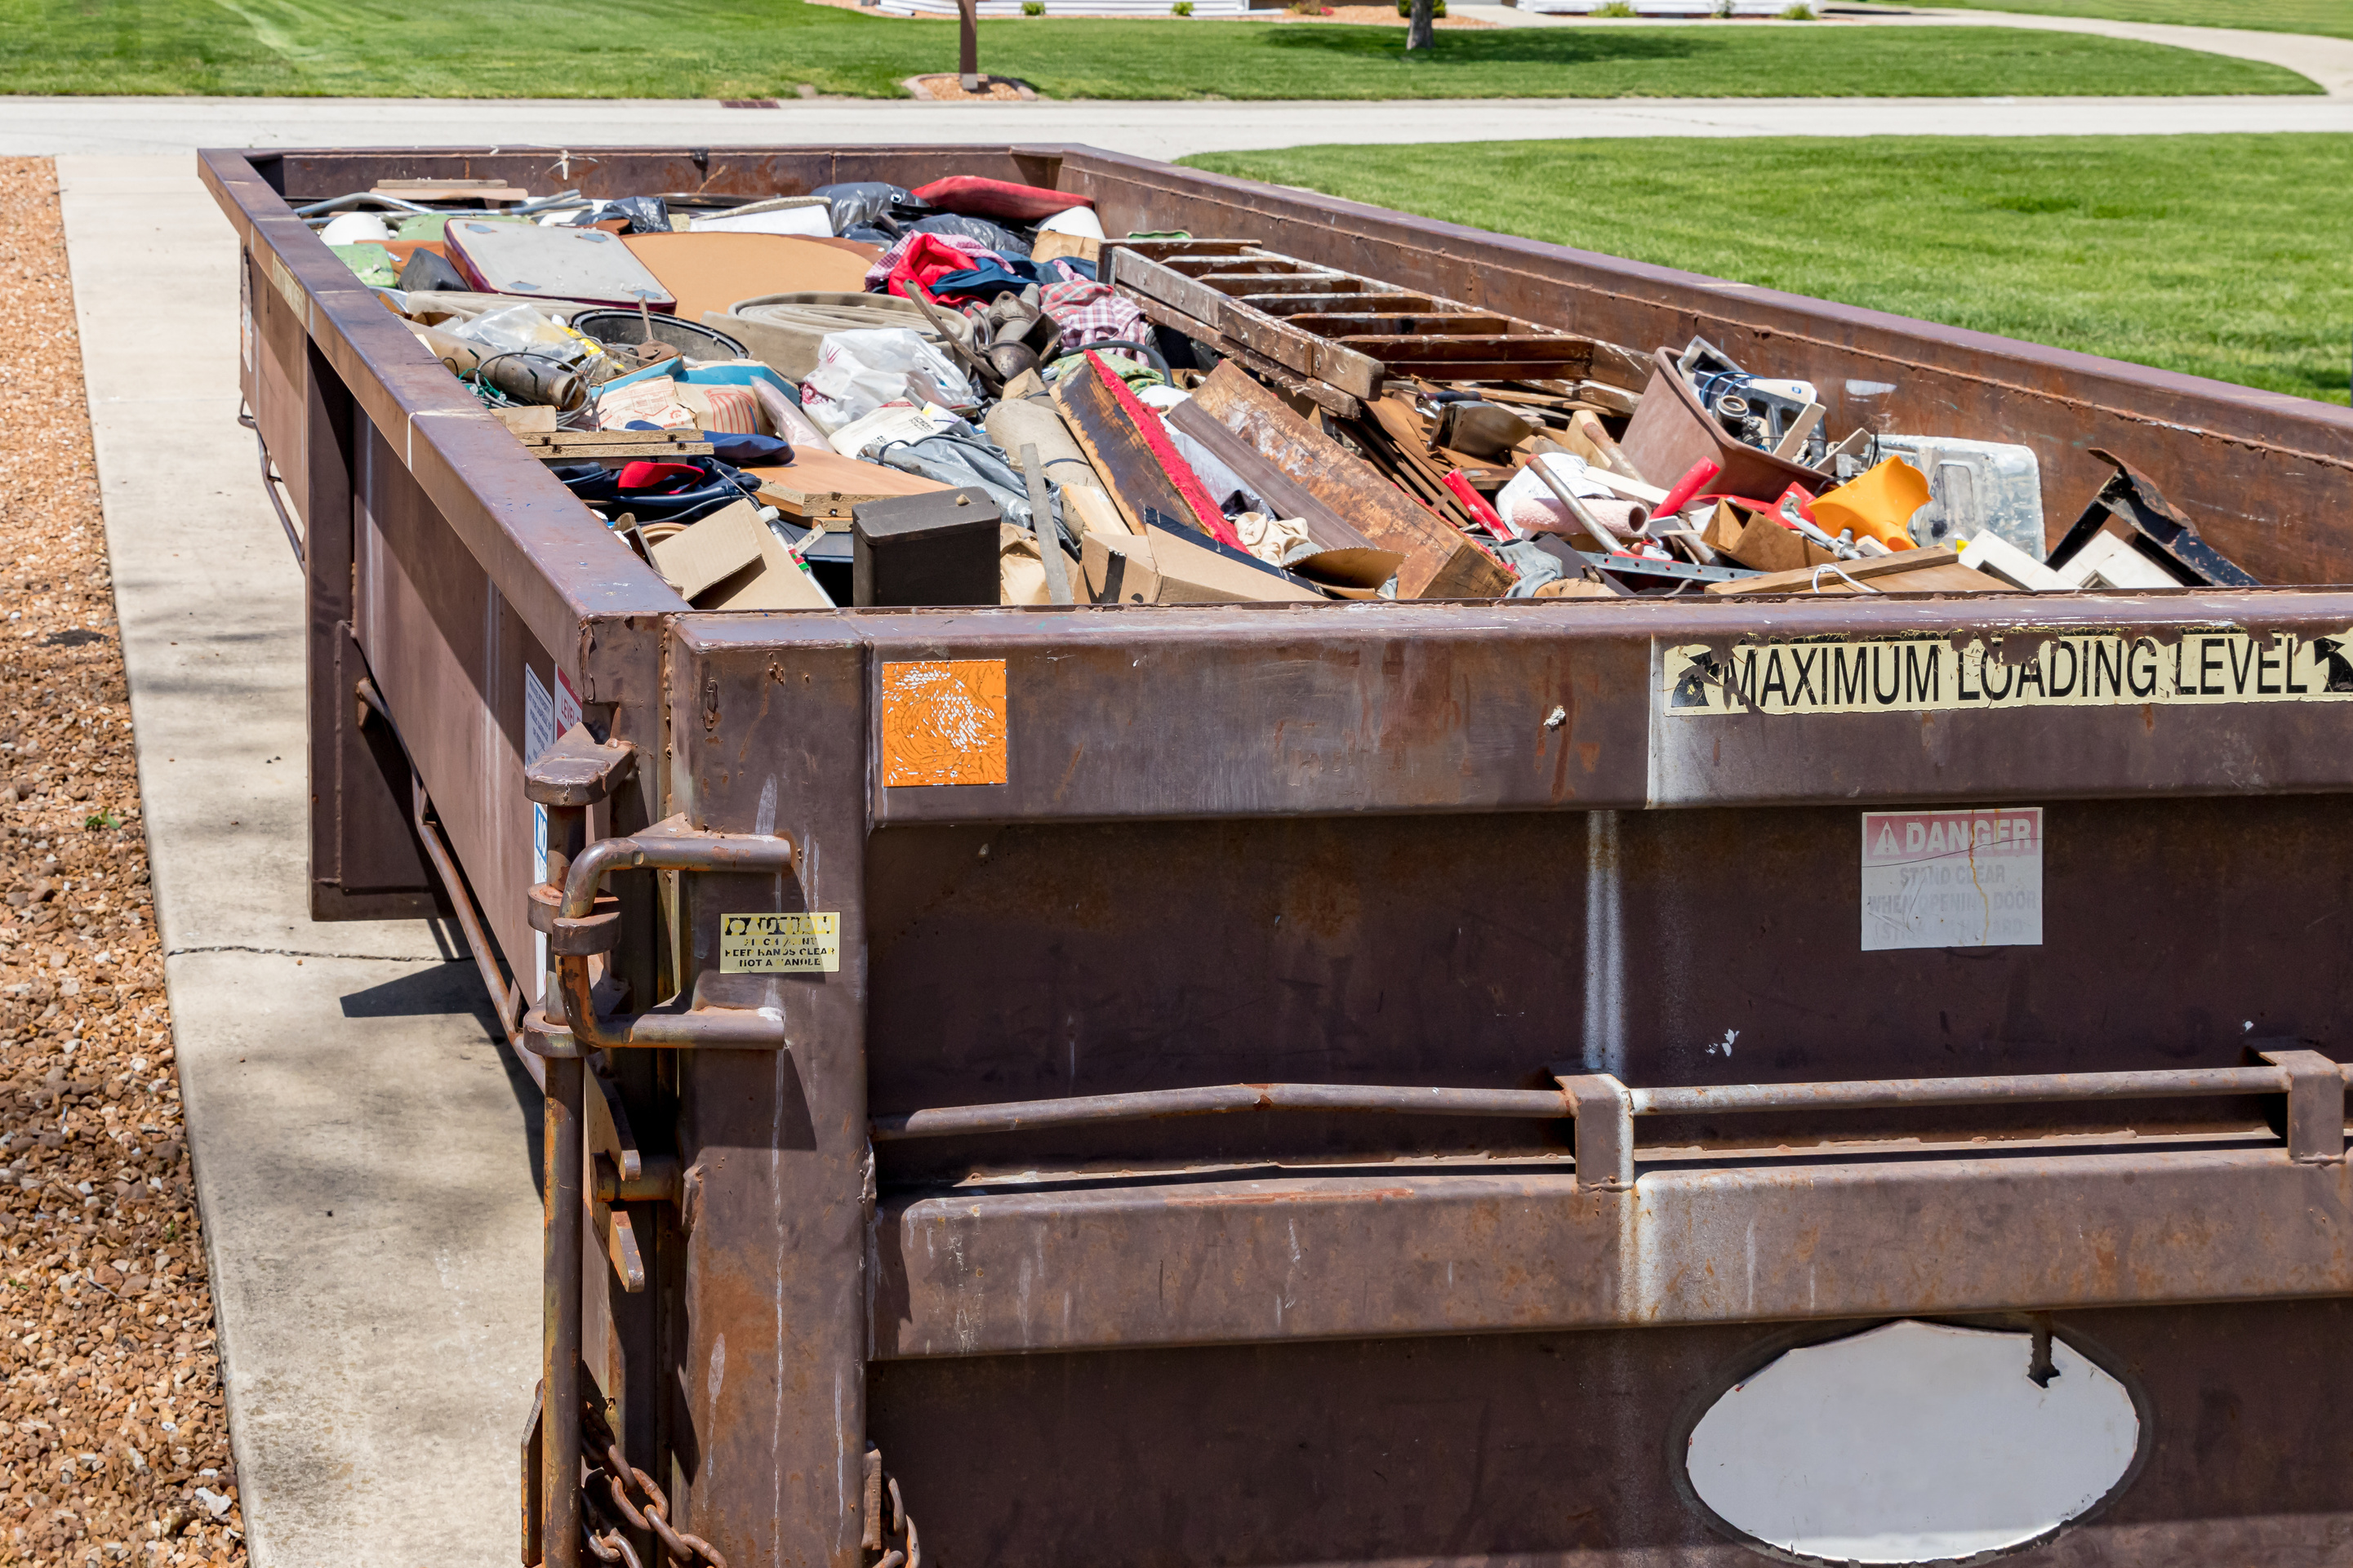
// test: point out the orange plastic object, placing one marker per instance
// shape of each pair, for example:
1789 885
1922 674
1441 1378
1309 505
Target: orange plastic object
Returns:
1876 505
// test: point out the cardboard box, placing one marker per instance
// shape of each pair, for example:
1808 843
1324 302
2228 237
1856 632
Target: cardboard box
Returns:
1759 543
701 557
776 582
1159 567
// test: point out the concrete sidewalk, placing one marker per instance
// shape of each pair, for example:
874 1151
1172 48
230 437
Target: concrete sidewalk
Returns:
139 126
362 1151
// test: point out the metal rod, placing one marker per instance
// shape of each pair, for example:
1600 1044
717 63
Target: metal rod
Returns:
1531 1104
727 1028
564 1176
270 485
2163 1084
1019 1116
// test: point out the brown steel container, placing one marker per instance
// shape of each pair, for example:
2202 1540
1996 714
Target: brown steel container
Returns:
1348 964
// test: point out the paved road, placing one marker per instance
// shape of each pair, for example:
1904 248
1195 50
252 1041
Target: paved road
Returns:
180 125
361 1152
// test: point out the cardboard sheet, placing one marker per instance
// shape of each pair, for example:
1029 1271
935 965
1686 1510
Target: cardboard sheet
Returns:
711 271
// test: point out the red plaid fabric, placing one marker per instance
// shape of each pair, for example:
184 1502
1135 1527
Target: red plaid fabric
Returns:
1091 313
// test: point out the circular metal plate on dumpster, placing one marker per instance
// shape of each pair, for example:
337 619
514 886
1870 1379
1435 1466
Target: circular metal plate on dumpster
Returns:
1912 1443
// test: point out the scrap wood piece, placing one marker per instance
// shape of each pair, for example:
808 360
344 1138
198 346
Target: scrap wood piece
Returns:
1301 353
1331 399
1440 561
575 445
1937 571
1140 467
1268 482
820 487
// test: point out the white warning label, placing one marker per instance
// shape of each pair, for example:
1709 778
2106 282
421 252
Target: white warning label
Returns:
1952 879
780 944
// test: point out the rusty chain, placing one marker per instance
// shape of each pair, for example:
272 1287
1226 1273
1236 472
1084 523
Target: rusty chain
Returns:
607 1477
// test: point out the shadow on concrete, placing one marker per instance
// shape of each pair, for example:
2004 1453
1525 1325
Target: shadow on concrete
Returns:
453 987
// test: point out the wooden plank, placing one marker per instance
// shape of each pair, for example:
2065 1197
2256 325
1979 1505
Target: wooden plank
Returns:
1154 249
1937 571
1511 349
1277 489
1130 470
1436 556
1331 399
1233 266
1245 283
1296 304
1147 279
1361 323
820 487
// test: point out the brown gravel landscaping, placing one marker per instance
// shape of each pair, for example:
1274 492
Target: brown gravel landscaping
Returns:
115 1446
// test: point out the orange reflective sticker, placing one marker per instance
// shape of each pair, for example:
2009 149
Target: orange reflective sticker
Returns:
943 723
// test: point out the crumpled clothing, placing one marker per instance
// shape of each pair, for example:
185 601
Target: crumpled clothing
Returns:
1091 314
1272 539
926 258
1535 564
962 461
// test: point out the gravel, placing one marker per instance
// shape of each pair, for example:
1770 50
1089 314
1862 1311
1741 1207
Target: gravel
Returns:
113 1444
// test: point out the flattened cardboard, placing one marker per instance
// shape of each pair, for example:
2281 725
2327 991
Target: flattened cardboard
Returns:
711 552
1161 567
776 582
1760 543
711 271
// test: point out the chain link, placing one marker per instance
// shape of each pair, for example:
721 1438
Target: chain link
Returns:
606 1484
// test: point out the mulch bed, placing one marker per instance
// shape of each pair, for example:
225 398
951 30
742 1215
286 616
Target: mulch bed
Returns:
113 1444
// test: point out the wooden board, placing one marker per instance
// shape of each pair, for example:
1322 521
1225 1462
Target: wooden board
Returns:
1286 495
1131 472
819 486
1937 571
1439 560
711 271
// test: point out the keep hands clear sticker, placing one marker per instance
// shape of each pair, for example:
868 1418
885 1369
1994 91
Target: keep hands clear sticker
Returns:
780 944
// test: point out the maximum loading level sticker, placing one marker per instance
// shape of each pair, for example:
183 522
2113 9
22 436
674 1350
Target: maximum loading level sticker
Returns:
780 944
2068 669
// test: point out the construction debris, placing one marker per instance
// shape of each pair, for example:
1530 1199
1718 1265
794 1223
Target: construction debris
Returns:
1215 419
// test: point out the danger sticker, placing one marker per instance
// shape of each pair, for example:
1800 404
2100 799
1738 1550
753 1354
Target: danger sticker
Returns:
1952 879
780 944
2082 669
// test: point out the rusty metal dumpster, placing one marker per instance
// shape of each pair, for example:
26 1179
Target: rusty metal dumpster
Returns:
1353 1083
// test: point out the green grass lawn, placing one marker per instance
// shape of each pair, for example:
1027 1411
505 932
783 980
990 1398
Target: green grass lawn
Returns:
2212 255
763 48
2333 18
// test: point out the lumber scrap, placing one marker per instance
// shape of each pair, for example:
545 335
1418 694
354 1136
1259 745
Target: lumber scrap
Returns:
1440 561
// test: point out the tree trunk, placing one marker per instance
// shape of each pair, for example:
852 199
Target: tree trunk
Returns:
968 42
1418 31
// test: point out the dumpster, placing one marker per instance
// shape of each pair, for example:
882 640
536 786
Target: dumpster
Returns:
1401 1082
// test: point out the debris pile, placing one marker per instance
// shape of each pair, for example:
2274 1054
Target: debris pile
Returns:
758 393
115 1447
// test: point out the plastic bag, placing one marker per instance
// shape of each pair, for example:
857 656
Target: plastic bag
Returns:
998 238
862 202
964 461
858 371
520 330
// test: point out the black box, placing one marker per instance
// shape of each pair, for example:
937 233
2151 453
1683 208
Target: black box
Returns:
936 549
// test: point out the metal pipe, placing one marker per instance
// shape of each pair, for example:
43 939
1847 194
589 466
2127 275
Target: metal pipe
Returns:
2161 1084
707 1029
270 485
1017 1116
564 1176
